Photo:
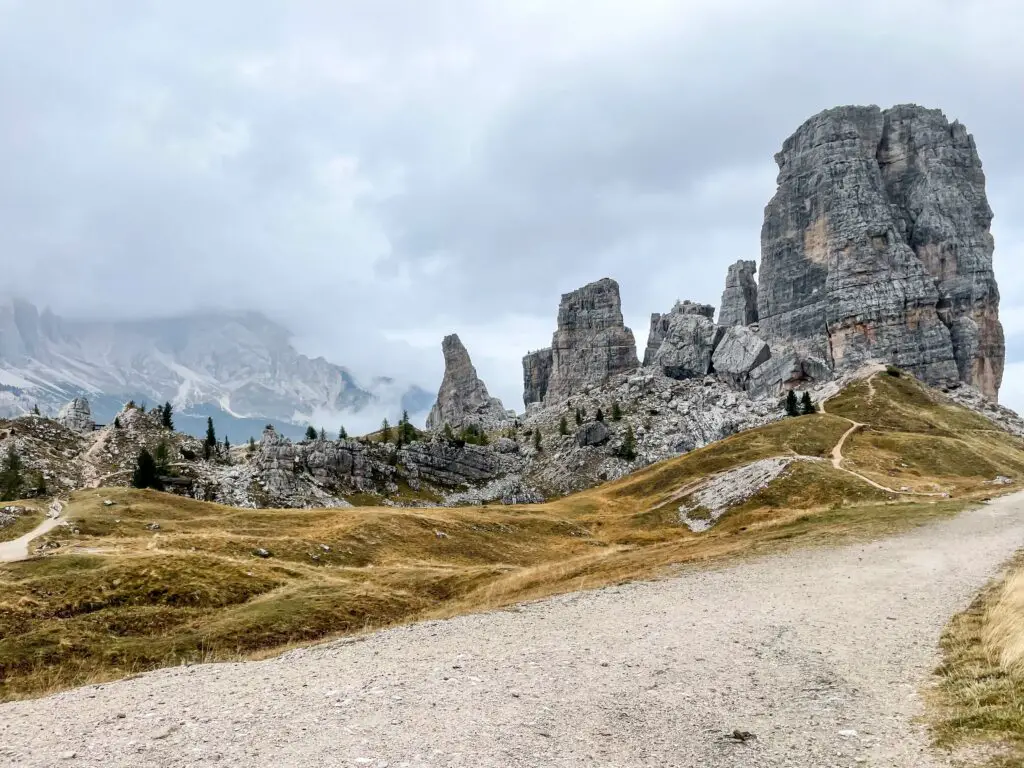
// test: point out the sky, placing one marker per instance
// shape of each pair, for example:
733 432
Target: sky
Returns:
377 175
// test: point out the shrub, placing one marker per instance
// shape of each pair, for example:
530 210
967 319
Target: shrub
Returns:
893 371
616 411
563 427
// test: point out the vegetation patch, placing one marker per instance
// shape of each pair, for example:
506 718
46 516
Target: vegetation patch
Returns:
980 696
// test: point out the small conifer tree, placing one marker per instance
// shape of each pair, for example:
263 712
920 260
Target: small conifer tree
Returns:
628 449
10 478
310 433
536 440
599 416
563 427
323 433
385 431
579 417
35 410
145 474
165 416
211 435
792 408
447 432
807 405
616 411
117 422
342 434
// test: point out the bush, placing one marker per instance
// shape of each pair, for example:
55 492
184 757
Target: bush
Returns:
616 411
145 474
563 426
893 371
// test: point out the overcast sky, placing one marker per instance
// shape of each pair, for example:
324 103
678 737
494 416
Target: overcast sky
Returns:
378 174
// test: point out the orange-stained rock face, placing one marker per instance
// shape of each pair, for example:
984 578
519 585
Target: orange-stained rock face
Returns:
877 246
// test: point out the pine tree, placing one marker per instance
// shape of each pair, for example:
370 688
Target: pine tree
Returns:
536 440
145 474
35 410
579 417
599 416
165 416
40 484
628 449
563 427
310 433
227 444
616 411
323 433
792 409
117 422
385 431
211 436
342 434
408 430
252 445
10 478
807 405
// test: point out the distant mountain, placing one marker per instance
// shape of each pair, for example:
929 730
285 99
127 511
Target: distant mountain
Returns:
239 368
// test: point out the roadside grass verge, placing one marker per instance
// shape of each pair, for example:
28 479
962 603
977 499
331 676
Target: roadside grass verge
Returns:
978 705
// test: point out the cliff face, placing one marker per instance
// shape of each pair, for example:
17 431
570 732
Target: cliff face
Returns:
590 345
877 245
536 375
463 398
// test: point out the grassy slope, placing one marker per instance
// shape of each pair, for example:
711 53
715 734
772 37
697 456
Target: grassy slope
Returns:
118 597
24 523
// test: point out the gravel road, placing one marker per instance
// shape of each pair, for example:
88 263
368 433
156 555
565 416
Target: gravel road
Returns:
819 653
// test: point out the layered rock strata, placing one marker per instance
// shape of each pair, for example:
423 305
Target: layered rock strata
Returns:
877 246
463 399
739 299
590 345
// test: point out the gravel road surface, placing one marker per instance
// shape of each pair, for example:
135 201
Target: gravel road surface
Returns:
820 654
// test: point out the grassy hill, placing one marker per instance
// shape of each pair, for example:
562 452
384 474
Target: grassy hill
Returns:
155 579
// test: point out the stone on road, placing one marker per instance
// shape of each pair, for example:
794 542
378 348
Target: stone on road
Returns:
808 658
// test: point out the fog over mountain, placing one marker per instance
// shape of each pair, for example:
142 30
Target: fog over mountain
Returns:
234 190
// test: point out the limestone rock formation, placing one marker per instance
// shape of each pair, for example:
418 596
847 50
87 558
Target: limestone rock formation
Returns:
688 345
592 343
536 374
463 398
77 416
877 246
739 299
660 325
738 353
593 433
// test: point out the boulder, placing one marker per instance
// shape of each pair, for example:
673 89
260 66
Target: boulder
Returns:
463 399
738 353
593 433
77 416
687 347
739 299
660 325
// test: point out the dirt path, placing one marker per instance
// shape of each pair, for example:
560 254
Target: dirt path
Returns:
837 449
17 549
819 653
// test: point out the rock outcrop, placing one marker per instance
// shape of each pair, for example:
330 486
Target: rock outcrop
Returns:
536 374
463 399
877 246
77 416
592 343
660 325
687 347
739 299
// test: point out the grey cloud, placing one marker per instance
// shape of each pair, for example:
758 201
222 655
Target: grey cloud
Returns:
162 157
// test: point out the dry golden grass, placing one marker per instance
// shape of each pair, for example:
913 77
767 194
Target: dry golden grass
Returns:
120 597
24 523
980 697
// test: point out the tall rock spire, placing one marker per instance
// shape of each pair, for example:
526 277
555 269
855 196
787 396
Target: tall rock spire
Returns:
463 398
739 299
877 246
